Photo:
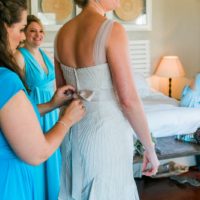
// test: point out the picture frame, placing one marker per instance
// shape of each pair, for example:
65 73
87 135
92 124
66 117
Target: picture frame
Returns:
142 22
52 15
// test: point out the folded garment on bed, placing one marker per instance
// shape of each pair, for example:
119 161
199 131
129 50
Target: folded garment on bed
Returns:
191 138
187 138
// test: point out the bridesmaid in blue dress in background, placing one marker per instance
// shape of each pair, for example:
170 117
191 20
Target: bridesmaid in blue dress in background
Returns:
38 73
191 94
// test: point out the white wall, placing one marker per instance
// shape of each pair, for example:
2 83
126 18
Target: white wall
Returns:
175 31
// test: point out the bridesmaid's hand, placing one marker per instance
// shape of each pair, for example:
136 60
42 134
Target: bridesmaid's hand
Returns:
60 97
73 112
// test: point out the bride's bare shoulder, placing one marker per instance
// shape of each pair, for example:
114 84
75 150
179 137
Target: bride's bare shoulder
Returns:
118 35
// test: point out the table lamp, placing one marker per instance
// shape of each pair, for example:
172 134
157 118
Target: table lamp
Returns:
170 67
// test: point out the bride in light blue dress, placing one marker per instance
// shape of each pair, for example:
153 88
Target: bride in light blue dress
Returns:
91 53
191 94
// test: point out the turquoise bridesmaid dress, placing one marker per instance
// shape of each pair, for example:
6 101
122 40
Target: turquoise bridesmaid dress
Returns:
42 87
191 97
16 176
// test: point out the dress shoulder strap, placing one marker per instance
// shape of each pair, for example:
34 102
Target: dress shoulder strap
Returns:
55 48
99 52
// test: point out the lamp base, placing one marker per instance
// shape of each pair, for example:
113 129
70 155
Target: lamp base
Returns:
170 86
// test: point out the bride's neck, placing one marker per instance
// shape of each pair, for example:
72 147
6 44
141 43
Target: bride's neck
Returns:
97 7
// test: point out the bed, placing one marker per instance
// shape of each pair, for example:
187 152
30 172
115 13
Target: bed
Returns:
166 120
165 116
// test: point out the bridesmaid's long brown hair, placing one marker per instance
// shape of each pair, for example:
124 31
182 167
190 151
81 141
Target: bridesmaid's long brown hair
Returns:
10 13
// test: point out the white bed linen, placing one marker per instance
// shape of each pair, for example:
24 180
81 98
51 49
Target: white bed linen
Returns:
166 118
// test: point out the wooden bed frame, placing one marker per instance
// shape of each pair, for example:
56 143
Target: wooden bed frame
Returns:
170 148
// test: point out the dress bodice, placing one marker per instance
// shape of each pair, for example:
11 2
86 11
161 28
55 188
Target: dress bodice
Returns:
35 76
98 77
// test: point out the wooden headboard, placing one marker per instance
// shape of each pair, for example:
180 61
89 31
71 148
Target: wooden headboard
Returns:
139 54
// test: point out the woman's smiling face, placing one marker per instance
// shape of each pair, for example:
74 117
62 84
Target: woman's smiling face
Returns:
34 34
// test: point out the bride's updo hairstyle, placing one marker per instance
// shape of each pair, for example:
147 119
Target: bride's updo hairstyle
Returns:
81 3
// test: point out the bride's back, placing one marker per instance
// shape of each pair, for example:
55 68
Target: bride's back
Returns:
76 39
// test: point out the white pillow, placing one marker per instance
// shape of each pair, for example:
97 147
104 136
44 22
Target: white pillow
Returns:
141 85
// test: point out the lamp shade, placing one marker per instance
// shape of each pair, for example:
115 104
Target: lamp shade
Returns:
170 66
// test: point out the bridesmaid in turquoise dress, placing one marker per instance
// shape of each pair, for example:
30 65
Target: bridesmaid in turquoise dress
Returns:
22 142
191 94
38 72
17 177
17 173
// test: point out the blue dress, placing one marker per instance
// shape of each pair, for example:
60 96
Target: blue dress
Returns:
16 176
191 97
42 85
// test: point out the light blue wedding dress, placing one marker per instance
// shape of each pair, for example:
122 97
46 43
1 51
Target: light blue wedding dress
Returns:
97 154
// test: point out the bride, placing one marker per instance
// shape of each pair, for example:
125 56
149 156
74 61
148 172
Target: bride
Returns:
91 53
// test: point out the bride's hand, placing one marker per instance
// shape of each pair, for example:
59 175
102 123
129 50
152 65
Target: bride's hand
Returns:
150 162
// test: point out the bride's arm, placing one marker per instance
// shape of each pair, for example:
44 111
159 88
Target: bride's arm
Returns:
120 66
60 81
